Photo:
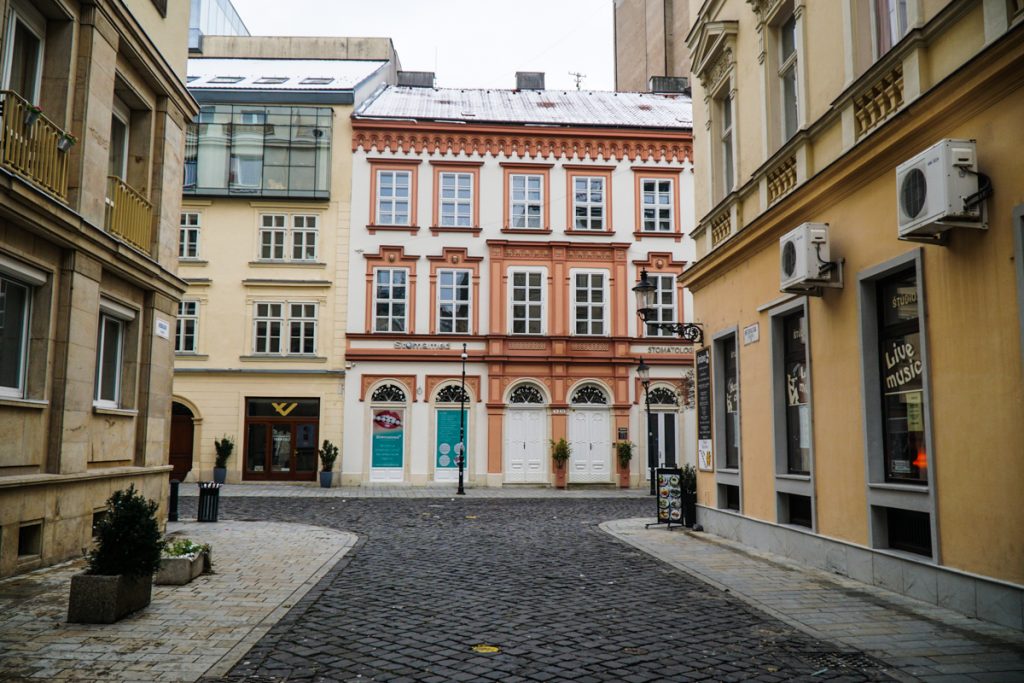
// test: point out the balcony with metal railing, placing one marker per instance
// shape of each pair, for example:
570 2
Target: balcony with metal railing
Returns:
129 214
32 146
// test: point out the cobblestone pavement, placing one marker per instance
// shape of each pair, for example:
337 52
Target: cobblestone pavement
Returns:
434 490
260 570
559 599
918 639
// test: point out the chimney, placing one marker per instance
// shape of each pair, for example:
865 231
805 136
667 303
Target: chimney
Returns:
669 85
416 79
529 80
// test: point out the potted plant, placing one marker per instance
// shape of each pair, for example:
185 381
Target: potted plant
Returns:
182 561
224 445
32 114
624 450
688 487
119 578
66 141
560 452
328 454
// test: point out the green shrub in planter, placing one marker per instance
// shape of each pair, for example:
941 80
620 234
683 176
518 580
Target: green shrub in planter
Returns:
560 452
624 449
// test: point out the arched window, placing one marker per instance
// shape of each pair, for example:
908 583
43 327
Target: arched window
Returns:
526 393
589 394
388 393
452 393
662 396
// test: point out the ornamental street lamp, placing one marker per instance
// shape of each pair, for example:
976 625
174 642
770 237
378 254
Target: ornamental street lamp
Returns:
643 371
460 457
646 299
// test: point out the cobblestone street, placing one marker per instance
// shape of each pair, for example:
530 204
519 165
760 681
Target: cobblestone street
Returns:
561 600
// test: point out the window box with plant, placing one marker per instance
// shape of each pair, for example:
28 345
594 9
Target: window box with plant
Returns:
328 454
32 114
560 453
624 451
66 141
119 578
224 447
182 560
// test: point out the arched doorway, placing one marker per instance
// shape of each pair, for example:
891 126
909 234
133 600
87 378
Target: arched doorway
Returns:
664 429
526 436
450 423
590 436
182 439
387 432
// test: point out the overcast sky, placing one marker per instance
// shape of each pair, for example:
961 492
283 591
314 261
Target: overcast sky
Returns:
469 43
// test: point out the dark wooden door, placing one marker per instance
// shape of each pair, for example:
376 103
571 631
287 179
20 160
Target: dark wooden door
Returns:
182 432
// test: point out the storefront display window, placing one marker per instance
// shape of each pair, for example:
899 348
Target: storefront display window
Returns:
281 438
732 404
798 421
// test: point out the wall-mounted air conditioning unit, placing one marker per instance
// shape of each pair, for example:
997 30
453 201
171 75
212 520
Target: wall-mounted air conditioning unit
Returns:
939 189
804 259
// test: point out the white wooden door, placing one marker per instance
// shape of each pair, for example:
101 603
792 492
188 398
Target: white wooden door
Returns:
590 439
524 447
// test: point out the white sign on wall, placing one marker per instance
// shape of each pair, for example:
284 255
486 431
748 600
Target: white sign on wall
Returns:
751 334
162 328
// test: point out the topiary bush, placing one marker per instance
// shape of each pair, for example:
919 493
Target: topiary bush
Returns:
128 537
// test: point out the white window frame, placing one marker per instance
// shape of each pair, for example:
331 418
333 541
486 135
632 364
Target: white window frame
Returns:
644 204
278 235
30 18
270 318
393 200
456 202
309 327
305 235
788 65
525 202
727 141
185 317
656 279
512 272
19 390
588 205
391 301
604 320
188 235
284 314
123 316
454 302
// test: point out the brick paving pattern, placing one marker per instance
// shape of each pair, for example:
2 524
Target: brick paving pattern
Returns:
561 600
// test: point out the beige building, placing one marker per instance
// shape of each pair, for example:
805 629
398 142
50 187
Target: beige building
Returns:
650 42
94 109
859 201
264 226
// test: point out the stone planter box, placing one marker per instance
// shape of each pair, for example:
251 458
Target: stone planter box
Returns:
177 571
99 599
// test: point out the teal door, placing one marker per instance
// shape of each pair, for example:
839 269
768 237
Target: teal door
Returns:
446 446
387 444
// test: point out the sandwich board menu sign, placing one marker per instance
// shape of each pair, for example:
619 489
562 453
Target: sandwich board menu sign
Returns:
670 496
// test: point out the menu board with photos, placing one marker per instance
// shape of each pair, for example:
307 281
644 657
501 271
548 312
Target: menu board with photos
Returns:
670 495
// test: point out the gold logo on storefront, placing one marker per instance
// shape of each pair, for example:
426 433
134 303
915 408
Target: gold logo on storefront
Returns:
283 409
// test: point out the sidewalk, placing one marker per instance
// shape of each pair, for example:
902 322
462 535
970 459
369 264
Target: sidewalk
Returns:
260 570
919 640
432 490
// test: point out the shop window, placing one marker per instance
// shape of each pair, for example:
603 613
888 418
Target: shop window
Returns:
727 400
30 540
281 438
796 389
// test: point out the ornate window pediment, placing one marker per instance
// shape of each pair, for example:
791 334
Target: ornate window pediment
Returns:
714 50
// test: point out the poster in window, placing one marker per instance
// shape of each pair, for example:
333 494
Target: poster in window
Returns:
448 428
388 437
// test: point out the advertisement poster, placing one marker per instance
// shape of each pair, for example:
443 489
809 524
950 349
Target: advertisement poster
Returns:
670 496
705 459
448 438
387 437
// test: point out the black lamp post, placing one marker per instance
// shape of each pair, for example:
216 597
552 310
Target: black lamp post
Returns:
643 371
646 295
460 457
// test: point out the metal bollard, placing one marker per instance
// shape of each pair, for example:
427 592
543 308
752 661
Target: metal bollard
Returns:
209 501
172 504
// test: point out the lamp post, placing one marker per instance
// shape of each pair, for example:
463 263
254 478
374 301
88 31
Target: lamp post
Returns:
643 371
460 457
646 298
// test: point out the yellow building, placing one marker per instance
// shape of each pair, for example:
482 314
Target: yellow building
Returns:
263 246
865 381
94 109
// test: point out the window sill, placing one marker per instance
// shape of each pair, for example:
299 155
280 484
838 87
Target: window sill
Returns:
30 403
902 488
594 233
119 412
794 477
411 229
283 358
641 234
437 229
187 355
267 263
182 261
526 231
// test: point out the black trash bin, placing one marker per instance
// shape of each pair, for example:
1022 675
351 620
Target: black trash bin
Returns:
209 501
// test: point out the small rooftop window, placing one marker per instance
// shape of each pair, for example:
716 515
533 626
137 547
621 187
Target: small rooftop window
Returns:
316 81
226 79
271 80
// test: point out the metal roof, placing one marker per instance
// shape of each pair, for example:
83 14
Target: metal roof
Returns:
278 74
541 107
